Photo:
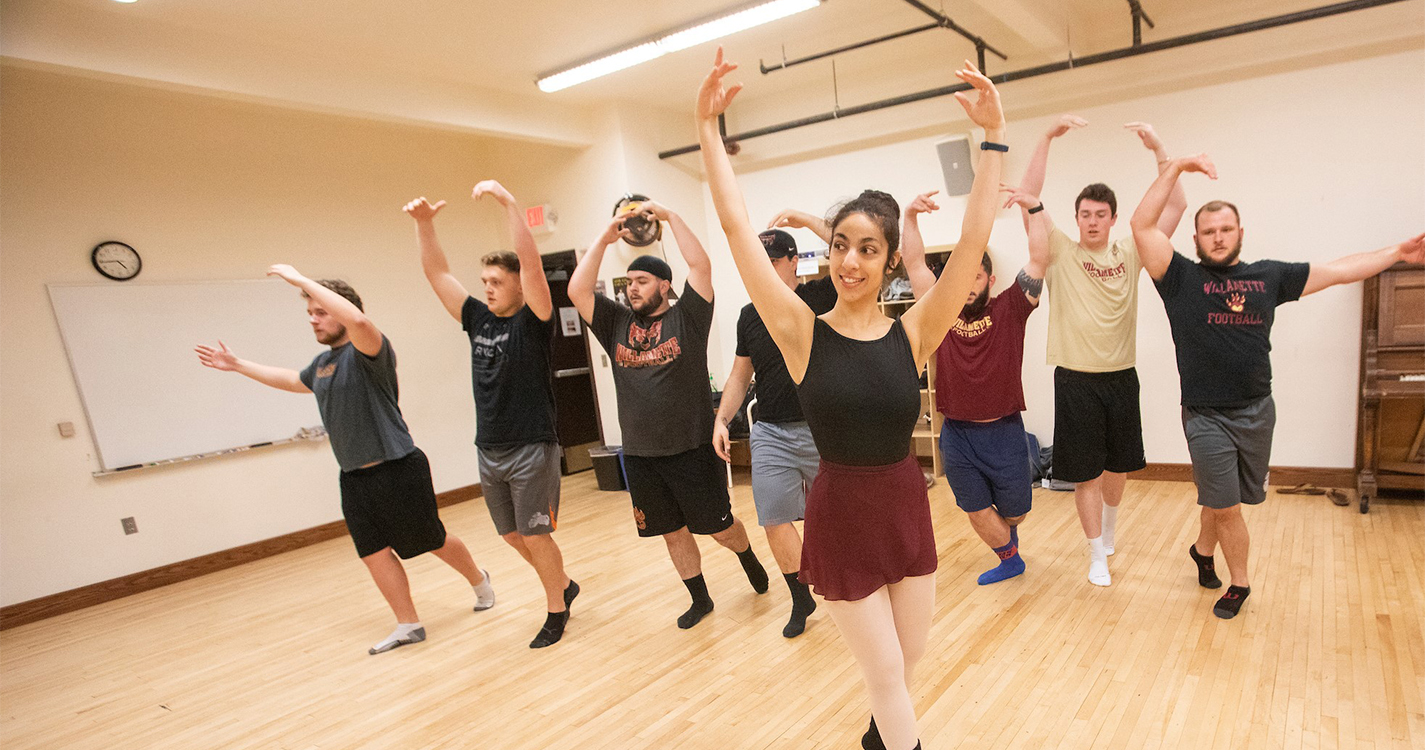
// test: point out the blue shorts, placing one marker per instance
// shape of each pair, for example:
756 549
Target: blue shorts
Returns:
987 464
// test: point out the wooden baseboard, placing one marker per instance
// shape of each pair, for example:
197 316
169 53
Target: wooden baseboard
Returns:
117 588
1280 475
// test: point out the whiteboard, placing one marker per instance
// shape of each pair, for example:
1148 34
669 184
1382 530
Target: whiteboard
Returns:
147 397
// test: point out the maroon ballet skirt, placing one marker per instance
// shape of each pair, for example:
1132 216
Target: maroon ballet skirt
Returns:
866 527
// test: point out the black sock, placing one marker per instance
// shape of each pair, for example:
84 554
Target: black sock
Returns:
1231 602
702 603
871 740
570 591
1206 574
802 606
552 631
756 574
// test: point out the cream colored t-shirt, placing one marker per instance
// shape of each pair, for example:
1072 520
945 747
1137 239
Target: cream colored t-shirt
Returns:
1093 304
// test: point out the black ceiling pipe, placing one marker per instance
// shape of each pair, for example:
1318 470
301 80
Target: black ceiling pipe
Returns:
858 45
1118 54
945 21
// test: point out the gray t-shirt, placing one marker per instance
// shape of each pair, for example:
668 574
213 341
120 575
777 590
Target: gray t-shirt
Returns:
357 395
660 373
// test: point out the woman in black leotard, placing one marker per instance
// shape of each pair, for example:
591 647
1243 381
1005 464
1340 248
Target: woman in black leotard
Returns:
869 548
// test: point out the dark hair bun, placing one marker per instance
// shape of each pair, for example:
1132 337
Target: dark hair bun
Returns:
881 200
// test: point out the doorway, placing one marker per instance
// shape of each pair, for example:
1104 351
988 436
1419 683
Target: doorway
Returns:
576 407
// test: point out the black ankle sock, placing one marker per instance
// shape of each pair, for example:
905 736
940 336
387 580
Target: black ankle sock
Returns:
702 603
552 631
1231 602
756 574
871 740
802 606
1206 574
570 591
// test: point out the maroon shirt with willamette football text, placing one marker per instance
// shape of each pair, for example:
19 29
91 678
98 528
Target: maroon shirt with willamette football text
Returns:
978 365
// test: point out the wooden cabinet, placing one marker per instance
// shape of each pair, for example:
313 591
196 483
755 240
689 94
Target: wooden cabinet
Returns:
1391 425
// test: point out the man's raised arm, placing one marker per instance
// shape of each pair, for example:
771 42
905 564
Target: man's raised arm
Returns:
586 274
364 334
699 264
447 288
1033 180
913 244
1177 202
532 280
1155 250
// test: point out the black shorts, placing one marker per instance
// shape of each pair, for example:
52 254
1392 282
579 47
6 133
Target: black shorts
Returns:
392 504
685 489
1097 424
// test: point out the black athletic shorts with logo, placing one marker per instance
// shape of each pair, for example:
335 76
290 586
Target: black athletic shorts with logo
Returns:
1097 424
684 489
392 504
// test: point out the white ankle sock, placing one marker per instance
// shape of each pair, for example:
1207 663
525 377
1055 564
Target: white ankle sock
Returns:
1098 563
405 632
1110 519
484 593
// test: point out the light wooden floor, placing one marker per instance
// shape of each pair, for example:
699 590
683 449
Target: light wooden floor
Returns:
1328 653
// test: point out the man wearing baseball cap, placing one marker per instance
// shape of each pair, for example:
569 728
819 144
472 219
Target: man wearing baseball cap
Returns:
660 361
784 458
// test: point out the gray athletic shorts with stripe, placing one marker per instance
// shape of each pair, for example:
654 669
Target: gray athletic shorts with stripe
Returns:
1230 448
521 487
784 461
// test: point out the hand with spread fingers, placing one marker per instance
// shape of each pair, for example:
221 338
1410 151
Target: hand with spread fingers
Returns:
713 98
221 358
985 111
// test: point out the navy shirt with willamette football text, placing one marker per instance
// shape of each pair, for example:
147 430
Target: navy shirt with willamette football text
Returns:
776 394
1221 320
660 373
509 370
357 396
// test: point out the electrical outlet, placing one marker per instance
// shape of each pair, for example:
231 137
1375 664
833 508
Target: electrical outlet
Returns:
130 527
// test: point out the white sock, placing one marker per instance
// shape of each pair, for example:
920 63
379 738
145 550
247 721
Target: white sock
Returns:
1110 519
402 633
1098 563
484 592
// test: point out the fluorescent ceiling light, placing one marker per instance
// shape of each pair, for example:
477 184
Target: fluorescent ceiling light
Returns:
672 41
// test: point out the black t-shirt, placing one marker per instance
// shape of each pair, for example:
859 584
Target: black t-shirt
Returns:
776 394
660 373
509 369
1221 320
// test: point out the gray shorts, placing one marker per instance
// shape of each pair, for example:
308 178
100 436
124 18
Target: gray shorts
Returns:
784 461
521 487
1229 449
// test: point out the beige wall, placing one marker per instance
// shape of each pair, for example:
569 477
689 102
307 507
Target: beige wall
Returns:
1323 161
212 189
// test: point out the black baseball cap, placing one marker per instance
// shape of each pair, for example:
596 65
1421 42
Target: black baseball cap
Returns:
779 244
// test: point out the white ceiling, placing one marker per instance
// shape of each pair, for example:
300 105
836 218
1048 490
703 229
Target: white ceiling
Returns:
472 65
